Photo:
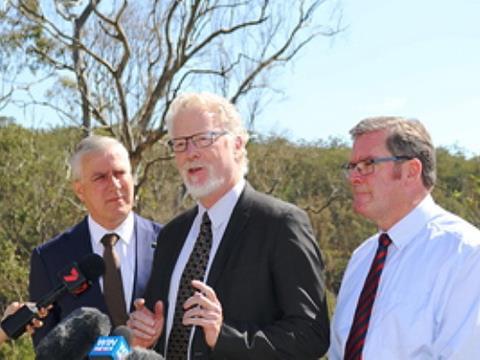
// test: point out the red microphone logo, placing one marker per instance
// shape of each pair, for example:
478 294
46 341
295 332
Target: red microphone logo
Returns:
73 279
80 289
72 276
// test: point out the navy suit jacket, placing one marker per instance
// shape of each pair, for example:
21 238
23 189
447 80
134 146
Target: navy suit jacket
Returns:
72 245
267 274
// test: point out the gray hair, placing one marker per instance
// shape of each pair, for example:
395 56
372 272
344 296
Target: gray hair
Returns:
407 137
90 144
220 107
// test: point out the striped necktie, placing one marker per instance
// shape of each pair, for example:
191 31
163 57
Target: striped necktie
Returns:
358 331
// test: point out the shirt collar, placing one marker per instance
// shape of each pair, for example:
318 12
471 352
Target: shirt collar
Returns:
220 212
410 225
124 230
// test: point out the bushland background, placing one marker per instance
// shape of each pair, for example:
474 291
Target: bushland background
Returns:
36 201
70 68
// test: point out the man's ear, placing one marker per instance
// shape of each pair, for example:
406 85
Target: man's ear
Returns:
239 145
414 169
77 187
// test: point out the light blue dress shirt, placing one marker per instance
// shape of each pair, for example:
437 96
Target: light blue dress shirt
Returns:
428 300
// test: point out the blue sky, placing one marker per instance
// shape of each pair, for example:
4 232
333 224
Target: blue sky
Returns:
411 58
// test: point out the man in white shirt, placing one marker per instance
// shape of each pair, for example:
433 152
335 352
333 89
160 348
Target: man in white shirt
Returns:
260 293
417 296
102 179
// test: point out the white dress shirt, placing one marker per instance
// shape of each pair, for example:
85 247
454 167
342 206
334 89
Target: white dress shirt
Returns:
125 249
428 299
219 215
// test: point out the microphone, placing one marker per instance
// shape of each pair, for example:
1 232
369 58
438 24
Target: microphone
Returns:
125 332
75 279
74 336
139 353
136 353
117 347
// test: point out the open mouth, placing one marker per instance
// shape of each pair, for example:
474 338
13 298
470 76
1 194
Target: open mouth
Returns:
194 170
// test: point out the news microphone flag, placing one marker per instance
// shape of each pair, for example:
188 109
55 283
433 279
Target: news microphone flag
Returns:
110 348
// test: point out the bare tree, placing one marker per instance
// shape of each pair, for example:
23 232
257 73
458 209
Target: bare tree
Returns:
118 65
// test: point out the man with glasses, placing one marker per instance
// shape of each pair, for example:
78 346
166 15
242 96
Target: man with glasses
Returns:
411 291
239 276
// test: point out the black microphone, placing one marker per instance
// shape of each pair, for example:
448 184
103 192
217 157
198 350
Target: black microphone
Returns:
75 279
123 331
74 336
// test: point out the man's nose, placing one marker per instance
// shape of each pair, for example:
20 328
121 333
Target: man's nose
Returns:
191 149
354 176
115 181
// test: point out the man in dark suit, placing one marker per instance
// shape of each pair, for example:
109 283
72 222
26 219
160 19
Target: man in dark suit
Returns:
102 180
260 293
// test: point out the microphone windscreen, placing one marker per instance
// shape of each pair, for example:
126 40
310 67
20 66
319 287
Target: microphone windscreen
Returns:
138 353
123 331
135 353
92 266
74 336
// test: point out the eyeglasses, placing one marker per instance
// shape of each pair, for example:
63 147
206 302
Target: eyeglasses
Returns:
200 140
367 166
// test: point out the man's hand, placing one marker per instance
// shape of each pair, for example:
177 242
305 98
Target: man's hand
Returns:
146 326
35 323
204 309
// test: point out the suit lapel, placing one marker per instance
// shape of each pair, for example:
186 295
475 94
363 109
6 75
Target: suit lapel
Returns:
230 240
144 239
170 243
231 237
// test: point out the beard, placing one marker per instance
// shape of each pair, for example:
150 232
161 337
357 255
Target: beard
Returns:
196 190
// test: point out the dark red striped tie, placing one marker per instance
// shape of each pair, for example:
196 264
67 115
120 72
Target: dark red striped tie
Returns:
358 331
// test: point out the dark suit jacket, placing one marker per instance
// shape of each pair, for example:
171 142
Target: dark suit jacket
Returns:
268 276
72 245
